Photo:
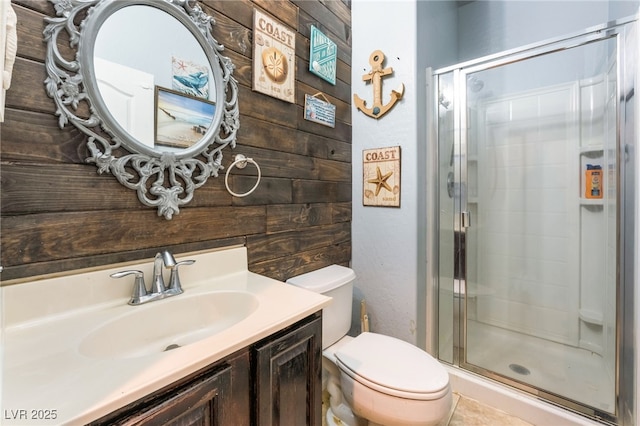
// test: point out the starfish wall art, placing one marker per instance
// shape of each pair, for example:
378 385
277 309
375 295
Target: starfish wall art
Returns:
381 177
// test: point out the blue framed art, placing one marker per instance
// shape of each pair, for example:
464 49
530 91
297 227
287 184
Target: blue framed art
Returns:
323 56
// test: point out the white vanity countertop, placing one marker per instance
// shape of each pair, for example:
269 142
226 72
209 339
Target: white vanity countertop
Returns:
46 380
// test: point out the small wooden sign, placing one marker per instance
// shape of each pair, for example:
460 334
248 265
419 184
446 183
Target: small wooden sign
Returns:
319 111
381 177
274 50
323 56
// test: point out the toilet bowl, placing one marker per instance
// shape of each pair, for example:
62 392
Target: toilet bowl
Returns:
391 382
373 379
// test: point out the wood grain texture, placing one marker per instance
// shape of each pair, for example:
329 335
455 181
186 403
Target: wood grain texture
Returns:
57 213
283 268
288 382
271 246
34 137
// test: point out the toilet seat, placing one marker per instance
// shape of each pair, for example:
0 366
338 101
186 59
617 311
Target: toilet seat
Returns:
393 367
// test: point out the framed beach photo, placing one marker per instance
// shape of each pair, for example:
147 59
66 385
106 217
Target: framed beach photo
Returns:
181 120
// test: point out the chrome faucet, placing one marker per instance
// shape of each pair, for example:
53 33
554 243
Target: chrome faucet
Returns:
175 286
162 260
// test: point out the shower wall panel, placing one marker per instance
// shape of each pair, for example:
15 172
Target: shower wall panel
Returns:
527 214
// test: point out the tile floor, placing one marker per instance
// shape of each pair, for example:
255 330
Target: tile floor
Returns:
464 412
468 412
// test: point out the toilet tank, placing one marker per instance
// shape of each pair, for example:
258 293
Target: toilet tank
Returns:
336 282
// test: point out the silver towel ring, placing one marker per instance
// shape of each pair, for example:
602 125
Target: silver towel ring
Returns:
240 161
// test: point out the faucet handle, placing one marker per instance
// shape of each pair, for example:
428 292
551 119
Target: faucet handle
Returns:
175 287
139 287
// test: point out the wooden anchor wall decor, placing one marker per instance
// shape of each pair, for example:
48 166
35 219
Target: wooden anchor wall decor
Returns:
375 77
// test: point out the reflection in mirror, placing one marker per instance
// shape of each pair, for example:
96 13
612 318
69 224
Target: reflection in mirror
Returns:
180 120
167 95
165 55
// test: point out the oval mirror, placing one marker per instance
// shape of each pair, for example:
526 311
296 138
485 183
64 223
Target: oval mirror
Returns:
166 95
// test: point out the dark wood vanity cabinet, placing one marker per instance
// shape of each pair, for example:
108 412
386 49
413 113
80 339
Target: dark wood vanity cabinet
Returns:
215 396
288 378
275 382
199 403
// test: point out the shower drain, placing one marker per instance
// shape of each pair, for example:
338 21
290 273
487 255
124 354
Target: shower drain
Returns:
172 346
519 369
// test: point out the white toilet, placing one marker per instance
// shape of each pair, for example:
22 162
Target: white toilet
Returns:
373 379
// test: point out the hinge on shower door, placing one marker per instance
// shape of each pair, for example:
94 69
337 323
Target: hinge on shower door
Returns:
465 219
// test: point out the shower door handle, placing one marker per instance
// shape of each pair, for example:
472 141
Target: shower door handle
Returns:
451 185
465 219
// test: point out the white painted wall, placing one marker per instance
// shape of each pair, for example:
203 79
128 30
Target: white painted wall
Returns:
384 239
389 243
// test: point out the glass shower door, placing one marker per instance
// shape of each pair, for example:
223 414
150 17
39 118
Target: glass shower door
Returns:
528 197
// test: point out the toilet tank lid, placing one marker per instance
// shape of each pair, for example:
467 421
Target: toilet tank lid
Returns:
324 279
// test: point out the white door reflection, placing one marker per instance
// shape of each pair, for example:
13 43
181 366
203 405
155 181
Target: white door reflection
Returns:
129 94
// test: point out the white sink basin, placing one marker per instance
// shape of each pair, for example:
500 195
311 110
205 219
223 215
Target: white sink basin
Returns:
168 324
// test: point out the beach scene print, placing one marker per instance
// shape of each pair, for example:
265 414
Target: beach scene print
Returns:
181 120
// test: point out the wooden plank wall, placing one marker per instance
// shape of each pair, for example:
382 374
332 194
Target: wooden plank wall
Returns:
58 214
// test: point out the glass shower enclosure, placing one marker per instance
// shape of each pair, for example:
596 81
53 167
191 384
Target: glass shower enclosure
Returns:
532 165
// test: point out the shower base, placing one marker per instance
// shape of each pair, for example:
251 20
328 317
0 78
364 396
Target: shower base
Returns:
570 372
573 373
513 401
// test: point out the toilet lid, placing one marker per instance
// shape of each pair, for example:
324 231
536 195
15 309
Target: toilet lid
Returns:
393 366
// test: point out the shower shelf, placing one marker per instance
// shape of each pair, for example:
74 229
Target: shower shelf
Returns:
594 150
591 201
591 154
592 317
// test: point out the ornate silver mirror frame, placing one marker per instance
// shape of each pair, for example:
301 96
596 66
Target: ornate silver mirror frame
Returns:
164 179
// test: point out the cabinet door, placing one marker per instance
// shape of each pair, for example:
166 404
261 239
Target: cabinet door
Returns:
201 402
289 377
